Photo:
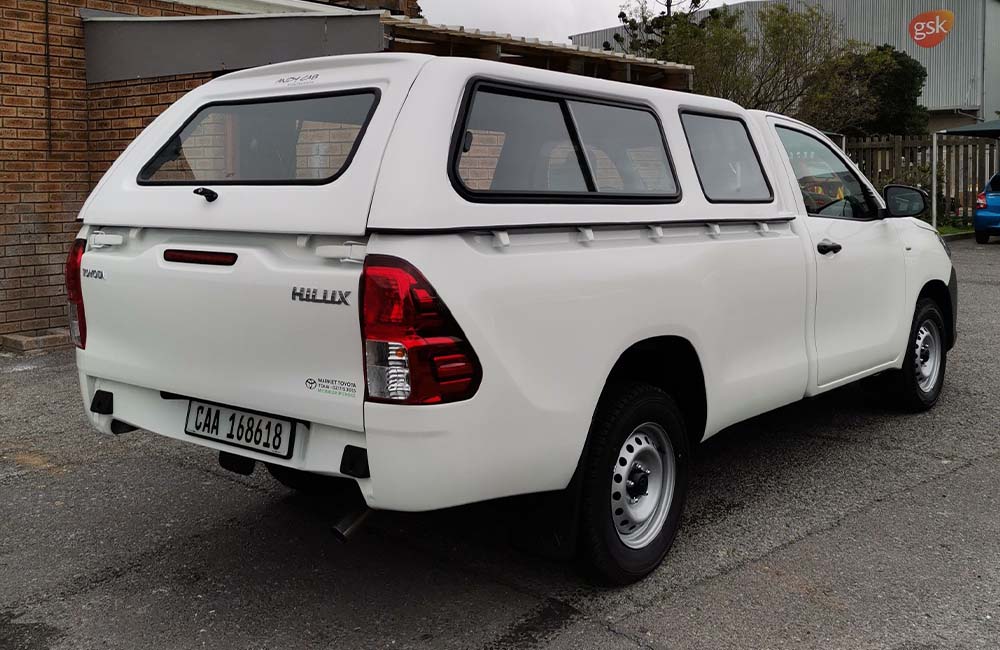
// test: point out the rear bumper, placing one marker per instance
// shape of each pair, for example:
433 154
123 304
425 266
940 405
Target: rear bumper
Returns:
317 448
987 221
420 458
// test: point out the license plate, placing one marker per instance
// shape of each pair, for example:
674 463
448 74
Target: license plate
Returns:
263 433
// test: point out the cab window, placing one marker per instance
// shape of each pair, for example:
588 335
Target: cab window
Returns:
725 159
829 188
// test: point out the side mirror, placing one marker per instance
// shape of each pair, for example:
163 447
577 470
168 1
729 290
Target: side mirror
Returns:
904 201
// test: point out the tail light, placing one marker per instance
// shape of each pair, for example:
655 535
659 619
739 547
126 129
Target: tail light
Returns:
74 294
415 352
981 201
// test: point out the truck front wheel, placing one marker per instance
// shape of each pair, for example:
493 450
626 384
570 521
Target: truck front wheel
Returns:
918 385
634 484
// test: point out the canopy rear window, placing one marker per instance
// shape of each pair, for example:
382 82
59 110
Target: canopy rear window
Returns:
287 140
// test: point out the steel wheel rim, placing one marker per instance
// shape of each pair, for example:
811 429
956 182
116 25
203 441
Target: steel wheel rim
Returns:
927 357
642 485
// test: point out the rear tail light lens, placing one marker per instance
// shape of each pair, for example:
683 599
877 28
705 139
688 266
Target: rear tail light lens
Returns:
415 352
74 294
981 201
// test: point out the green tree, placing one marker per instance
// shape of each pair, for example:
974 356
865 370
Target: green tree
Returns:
717 46
897 82
868 91
794 47
769 73
797 64
647 22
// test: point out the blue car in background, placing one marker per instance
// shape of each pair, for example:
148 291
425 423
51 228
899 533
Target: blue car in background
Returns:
988 211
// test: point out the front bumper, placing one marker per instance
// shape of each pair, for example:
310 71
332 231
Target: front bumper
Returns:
953 292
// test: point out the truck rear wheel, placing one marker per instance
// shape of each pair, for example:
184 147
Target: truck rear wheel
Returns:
634 484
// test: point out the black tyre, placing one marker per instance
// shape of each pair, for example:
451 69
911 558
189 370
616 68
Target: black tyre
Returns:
982 238
312 484
634 486
918 384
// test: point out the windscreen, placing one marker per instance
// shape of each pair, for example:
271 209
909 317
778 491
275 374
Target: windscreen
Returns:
286 140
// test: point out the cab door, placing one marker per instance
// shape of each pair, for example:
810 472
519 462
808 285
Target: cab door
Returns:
860 270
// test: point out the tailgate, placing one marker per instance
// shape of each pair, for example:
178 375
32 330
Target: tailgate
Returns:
276 331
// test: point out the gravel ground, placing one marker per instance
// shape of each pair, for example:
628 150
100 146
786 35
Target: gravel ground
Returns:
829 524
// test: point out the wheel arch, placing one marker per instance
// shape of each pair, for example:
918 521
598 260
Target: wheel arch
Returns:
646 360
944 298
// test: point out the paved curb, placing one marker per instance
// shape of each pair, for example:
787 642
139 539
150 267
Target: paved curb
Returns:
47 340
959 235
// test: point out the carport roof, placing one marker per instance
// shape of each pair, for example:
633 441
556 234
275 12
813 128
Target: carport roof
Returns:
424 30
983 130
271 31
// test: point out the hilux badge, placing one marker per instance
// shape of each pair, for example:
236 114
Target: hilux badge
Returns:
328 296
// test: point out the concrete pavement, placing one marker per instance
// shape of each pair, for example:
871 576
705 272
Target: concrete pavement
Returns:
829 524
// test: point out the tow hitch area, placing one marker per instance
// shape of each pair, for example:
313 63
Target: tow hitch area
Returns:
236 464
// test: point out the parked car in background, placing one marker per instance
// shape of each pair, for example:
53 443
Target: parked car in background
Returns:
437 281
987 221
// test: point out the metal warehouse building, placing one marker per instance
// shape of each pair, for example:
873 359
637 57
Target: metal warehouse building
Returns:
963 62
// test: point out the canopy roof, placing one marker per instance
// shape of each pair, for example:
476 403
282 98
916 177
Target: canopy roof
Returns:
983 130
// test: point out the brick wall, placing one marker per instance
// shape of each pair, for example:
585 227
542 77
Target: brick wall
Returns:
118 110
45 173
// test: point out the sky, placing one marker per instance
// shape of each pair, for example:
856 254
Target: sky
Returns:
550 20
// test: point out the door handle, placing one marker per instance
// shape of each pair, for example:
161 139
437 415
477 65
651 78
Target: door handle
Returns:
827 246
100 240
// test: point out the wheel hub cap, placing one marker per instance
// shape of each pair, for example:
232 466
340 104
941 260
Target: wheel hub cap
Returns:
637 485
642 485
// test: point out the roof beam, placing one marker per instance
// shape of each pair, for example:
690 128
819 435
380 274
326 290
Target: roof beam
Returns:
138 48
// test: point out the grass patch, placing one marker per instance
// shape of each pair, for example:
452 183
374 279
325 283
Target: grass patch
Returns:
953 230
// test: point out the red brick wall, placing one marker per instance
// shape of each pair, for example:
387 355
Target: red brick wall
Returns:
119 110
45 176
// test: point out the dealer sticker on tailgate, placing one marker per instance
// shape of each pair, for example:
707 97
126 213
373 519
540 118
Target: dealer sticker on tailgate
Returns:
262 433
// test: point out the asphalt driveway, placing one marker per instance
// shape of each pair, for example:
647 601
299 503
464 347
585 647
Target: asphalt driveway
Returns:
830 524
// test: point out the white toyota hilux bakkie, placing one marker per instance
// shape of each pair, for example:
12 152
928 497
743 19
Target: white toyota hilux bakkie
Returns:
426 282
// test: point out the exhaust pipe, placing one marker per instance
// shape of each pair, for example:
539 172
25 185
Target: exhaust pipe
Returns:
350 523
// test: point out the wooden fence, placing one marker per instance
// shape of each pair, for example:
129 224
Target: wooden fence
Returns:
964 166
